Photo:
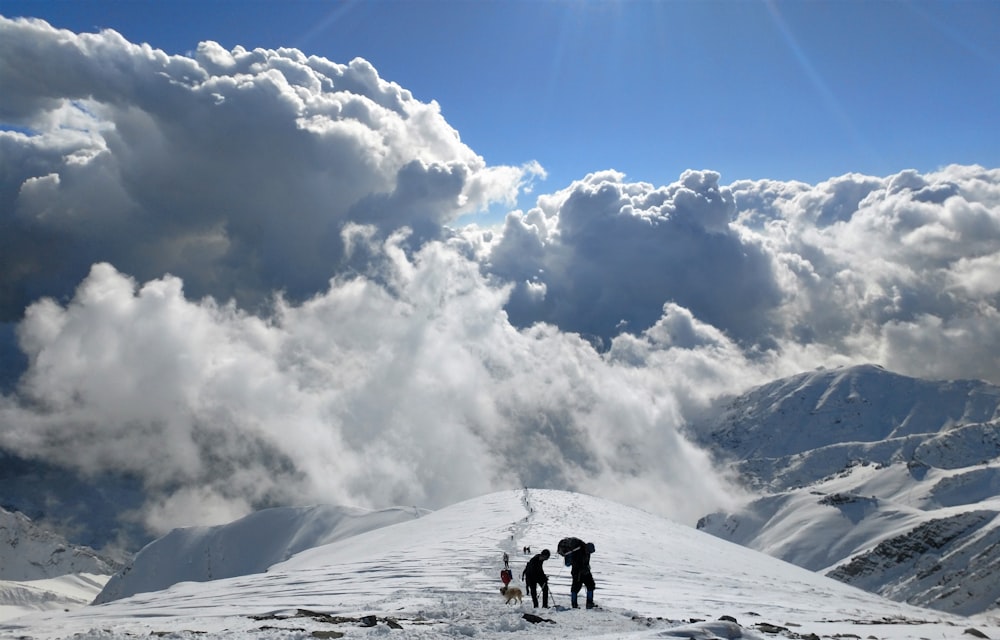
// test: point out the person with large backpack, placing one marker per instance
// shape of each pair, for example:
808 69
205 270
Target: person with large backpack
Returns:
576 553
534 576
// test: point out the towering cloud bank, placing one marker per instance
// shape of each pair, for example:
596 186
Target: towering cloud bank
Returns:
239 275
604 256
236 171
903 270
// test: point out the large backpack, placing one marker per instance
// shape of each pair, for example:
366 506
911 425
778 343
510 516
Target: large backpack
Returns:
567 546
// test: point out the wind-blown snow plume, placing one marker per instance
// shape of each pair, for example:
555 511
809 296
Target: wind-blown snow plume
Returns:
239 275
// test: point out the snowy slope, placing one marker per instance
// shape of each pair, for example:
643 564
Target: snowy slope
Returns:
437 577
70 591
41 571
28 552
264 538
882 481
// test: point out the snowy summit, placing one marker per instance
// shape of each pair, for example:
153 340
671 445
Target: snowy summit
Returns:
438 576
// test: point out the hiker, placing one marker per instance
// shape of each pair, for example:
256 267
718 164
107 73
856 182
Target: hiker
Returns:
506 560
576 553
534 576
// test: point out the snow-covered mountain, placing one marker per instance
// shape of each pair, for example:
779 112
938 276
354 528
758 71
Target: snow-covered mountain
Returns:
200 554
882 481
41 570
28 552
885 482
437 576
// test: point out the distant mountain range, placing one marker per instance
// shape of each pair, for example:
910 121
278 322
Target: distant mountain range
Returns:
882 481
885 482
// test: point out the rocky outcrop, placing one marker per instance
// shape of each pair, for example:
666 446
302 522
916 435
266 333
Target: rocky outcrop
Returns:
947 563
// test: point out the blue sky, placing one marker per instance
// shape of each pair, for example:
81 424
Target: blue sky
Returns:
782 90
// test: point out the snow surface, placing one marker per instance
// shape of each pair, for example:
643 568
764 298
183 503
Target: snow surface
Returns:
66 592
200 554
438 576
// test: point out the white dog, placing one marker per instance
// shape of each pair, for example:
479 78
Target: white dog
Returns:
512 593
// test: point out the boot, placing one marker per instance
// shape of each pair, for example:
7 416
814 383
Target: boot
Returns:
572 601
590 598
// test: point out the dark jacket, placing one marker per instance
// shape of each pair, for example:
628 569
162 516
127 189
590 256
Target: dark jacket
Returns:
534 572
580 561
577 555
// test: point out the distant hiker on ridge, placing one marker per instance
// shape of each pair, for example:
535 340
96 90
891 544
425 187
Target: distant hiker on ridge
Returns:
576 553
534 575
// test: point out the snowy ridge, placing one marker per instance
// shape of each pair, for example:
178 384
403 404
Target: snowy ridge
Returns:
41 571
28 552
248 545
808 420
438 576
70 591
882 481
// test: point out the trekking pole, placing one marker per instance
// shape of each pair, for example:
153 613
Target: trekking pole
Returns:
561 569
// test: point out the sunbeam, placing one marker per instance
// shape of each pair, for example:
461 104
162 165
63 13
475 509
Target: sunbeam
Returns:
822 87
